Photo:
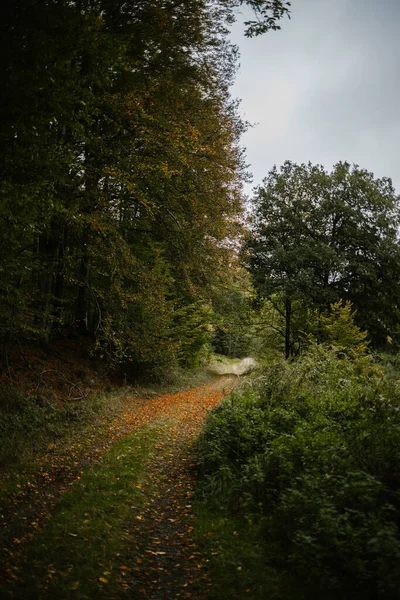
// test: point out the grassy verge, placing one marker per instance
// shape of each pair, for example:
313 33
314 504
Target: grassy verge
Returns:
77 554
237 558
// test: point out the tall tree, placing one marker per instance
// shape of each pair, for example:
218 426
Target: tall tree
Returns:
120 165
319 237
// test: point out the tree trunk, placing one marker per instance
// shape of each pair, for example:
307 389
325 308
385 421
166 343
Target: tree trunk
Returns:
81 314
59 279
288 323
48 249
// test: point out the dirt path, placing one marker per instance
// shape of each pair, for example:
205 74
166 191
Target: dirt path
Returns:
170 566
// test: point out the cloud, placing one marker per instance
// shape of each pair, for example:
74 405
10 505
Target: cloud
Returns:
325 88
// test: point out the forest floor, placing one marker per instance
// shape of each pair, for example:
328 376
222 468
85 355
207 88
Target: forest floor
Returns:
108 514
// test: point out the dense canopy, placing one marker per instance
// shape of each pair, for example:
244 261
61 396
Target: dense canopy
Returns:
121 169
318 237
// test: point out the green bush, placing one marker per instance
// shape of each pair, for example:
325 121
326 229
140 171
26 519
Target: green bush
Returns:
313 448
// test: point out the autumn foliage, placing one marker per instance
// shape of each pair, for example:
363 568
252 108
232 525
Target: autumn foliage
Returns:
121 173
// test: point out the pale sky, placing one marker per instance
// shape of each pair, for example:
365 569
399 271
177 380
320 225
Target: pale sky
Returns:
325 88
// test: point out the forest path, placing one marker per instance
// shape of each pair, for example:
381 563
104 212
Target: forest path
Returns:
170 565
161 560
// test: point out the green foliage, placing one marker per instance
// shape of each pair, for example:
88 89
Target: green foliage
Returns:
192 329
238 563
268 15
312 447
335 327
318 237
339 329
121 172
270 327
233 322
136 320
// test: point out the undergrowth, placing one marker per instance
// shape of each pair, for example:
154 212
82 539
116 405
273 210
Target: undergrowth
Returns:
31 421
310 453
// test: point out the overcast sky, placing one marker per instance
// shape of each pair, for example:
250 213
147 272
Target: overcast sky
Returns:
325 88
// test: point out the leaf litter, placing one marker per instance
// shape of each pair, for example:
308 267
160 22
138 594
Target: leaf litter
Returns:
168 564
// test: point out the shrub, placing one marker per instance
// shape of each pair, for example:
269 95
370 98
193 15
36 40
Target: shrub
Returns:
313 447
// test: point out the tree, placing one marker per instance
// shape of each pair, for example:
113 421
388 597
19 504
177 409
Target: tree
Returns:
339 329
121 168
318 237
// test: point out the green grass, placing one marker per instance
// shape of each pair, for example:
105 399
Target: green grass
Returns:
77 554
237 558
